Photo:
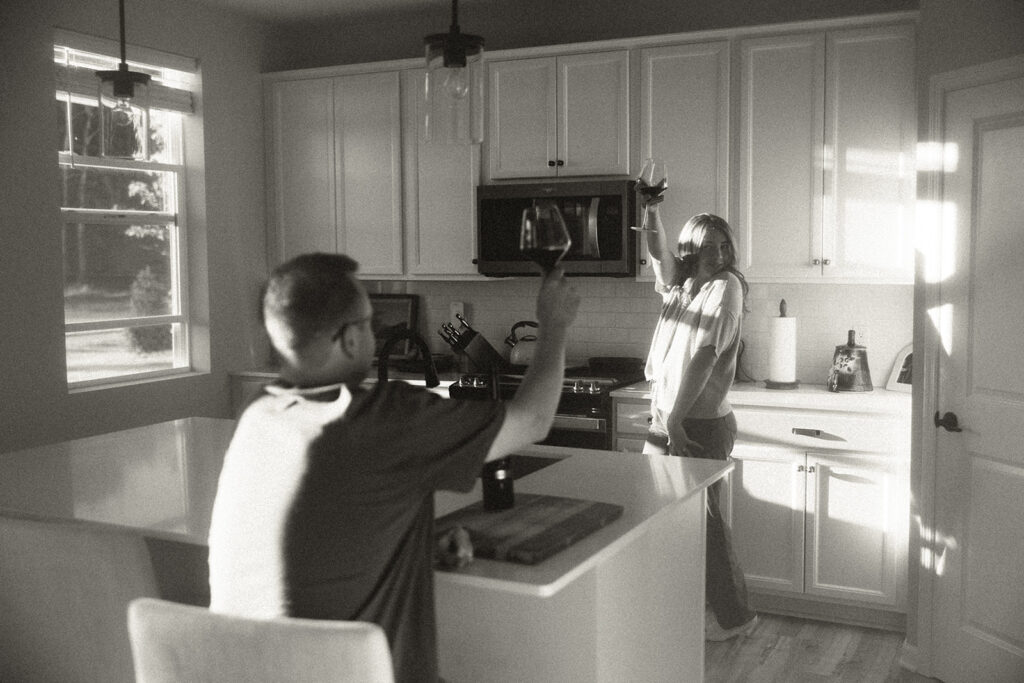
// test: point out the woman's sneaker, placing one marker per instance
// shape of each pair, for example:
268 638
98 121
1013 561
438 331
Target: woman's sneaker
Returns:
714 632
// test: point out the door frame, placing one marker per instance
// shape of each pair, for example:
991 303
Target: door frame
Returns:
918 652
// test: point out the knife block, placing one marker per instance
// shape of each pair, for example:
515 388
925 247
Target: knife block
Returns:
481 355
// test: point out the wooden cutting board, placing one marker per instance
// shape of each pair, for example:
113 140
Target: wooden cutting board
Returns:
534 529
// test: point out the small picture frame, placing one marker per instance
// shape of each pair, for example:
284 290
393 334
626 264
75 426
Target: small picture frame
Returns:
391 313
900 379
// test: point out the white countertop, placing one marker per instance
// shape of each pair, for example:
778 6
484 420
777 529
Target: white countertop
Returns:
807 396
160 481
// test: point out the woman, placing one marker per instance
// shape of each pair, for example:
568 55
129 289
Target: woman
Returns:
692 364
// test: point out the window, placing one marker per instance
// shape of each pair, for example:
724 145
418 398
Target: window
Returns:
123 227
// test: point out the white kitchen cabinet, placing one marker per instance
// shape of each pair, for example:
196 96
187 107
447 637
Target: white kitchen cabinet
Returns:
559 116
684 120
821 525
334 146
818 500
632 420
827 135
440 194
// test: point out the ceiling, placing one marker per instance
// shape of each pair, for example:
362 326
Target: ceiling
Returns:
329 10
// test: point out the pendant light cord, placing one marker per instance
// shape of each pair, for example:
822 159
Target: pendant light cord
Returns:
124 59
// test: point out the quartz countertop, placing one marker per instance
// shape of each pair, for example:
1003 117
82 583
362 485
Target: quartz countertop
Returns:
807 396
160 481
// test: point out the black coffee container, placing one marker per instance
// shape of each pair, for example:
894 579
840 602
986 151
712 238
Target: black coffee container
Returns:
496 477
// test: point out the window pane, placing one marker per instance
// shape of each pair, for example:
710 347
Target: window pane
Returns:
114 271
123 351
86 187
164 130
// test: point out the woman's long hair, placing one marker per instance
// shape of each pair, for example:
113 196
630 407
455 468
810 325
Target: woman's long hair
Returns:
694 234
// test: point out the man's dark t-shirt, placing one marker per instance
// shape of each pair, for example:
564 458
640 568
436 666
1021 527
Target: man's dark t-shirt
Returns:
325 510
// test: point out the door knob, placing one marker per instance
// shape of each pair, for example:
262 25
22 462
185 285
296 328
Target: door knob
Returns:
949 422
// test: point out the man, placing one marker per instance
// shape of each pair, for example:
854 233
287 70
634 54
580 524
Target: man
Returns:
324 508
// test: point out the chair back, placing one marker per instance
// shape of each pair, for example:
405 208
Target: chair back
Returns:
172 642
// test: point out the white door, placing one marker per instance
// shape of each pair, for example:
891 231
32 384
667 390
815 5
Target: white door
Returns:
974 551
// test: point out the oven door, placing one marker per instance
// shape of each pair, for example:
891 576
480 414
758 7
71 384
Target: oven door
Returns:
579 432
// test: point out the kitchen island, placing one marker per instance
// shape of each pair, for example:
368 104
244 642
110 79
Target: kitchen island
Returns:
624 603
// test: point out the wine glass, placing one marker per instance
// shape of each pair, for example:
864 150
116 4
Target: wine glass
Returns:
651 184
543 237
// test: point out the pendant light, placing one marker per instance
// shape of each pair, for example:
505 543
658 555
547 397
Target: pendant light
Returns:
454 85
123 102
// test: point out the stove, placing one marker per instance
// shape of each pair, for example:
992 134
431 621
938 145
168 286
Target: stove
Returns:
584 415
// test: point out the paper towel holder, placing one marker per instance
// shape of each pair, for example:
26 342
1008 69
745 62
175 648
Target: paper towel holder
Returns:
772 384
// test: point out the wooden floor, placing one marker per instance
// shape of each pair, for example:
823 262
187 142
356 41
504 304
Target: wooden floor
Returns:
790 650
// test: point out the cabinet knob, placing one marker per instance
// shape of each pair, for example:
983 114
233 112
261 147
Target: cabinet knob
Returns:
810 470
800 468
826 262
643 262
816 262
551 163
561 163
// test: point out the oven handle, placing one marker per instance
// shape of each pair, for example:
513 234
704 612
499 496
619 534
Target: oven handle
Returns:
579 424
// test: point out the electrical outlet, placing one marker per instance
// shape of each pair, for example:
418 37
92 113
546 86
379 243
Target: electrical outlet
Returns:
456 308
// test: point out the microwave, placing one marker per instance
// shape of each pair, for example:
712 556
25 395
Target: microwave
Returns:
597 213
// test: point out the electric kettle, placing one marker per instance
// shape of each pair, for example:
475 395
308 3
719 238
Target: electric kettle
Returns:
849 370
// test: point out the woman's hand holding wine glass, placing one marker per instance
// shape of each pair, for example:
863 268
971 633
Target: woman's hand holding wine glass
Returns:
651 184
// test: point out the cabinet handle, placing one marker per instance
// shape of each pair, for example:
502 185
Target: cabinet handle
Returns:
827 261
561 163
800 468
810 470
816 262
650 419
551 163
803 431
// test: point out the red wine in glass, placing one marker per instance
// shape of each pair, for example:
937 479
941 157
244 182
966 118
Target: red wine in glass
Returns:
543 236
651 184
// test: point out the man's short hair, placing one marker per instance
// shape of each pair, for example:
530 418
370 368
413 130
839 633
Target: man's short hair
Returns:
308 296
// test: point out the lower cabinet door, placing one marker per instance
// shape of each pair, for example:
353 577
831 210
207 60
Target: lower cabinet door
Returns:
766 507
855 528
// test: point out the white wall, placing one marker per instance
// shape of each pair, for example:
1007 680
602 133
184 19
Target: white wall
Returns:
35 406
617 318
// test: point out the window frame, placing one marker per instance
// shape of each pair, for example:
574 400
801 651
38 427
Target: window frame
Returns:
184 356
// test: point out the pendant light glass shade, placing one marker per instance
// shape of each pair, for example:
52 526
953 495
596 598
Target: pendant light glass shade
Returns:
123 102
453 88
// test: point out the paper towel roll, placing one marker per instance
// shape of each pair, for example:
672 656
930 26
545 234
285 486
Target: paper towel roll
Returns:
782 350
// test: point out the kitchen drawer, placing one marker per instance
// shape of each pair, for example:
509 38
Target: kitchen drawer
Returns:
822 431
632 418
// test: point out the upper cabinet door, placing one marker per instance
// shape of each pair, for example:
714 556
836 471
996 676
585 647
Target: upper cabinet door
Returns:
439 191
335 169
782 94
827 177
300 143
521 139
593 114
368 168
684 120
870 139
559 116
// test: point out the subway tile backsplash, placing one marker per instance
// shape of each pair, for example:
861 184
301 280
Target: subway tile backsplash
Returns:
617 318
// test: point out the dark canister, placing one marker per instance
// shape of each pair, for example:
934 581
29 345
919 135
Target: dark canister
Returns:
496 477
849 370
